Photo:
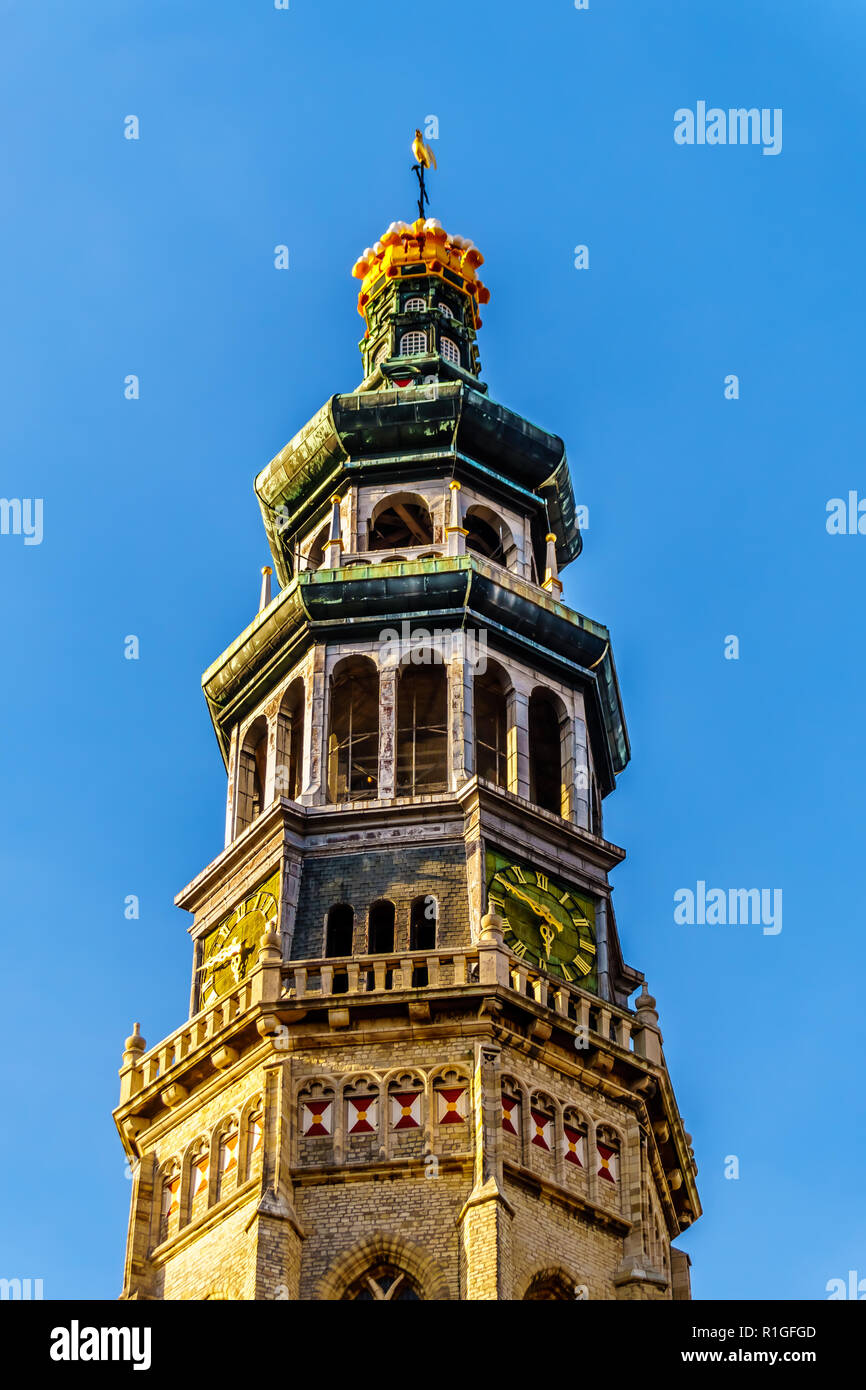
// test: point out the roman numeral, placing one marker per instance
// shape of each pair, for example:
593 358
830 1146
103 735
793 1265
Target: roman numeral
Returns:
519 872
519 948
582 965
542 880
565 899
565 970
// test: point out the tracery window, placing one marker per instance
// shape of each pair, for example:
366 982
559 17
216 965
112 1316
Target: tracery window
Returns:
384 1283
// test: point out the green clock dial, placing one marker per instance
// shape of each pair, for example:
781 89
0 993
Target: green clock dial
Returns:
550 925
229 952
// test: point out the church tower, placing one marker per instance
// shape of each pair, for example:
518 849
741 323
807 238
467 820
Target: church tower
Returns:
411 1068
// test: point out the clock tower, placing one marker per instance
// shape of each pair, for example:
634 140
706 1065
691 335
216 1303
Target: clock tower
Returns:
416 1064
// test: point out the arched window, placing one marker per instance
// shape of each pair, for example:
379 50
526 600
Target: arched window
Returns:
290 742
413 344
227 1161
380 933
353 742
384 1283
414 305
449 350
382 352
252 769
400 521
444 309
549 1286
316 552
488 535
254 1142
422 733
545 753
339 929
491 726
423 919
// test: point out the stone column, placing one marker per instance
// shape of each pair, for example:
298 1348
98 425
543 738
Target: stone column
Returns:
580 774
387 774
274 1231
313 788
518 743
601 948
459 716
231 795
485 1221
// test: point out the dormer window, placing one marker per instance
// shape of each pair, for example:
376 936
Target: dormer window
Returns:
449 350
413 344
414 305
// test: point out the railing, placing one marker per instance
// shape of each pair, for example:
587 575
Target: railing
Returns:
489 963
381 973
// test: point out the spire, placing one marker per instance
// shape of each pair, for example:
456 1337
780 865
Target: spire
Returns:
455 530
265 596
552 582
334 546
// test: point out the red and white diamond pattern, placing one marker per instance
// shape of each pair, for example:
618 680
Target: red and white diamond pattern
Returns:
317 1118
542 1130
405 1109
362 1115
452 1104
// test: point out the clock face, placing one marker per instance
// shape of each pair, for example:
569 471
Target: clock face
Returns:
550 925
230 950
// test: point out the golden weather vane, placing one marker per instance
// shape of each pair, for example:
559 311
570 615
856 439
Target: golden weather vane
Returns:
425 159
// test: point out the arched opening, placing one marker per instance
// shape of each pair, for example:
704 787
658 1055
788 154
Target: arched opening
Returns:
384 1283
353 741
546 787
549 1287
413 344
490 717
422 729
449 350
399 522
380 928
288 777
339 928
316 552
423 920
488 535
252 773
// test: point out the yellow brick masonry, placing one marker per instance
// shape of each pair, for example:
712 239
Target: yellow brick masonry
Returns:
476 1224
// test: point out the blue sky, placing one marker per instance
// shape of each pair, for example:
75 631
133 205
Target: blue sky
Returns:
707 517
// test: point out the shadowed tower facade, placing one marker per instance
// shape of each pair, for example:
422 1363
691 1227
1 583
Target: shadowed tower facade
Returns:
411 1068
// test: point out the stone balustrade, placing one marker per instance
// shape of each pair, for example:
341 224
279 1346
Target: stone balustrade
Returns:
306 982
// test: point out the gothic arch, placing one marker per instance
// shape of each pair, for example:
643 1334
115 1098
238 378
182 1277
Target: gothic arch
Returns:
551 1283
384 1248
